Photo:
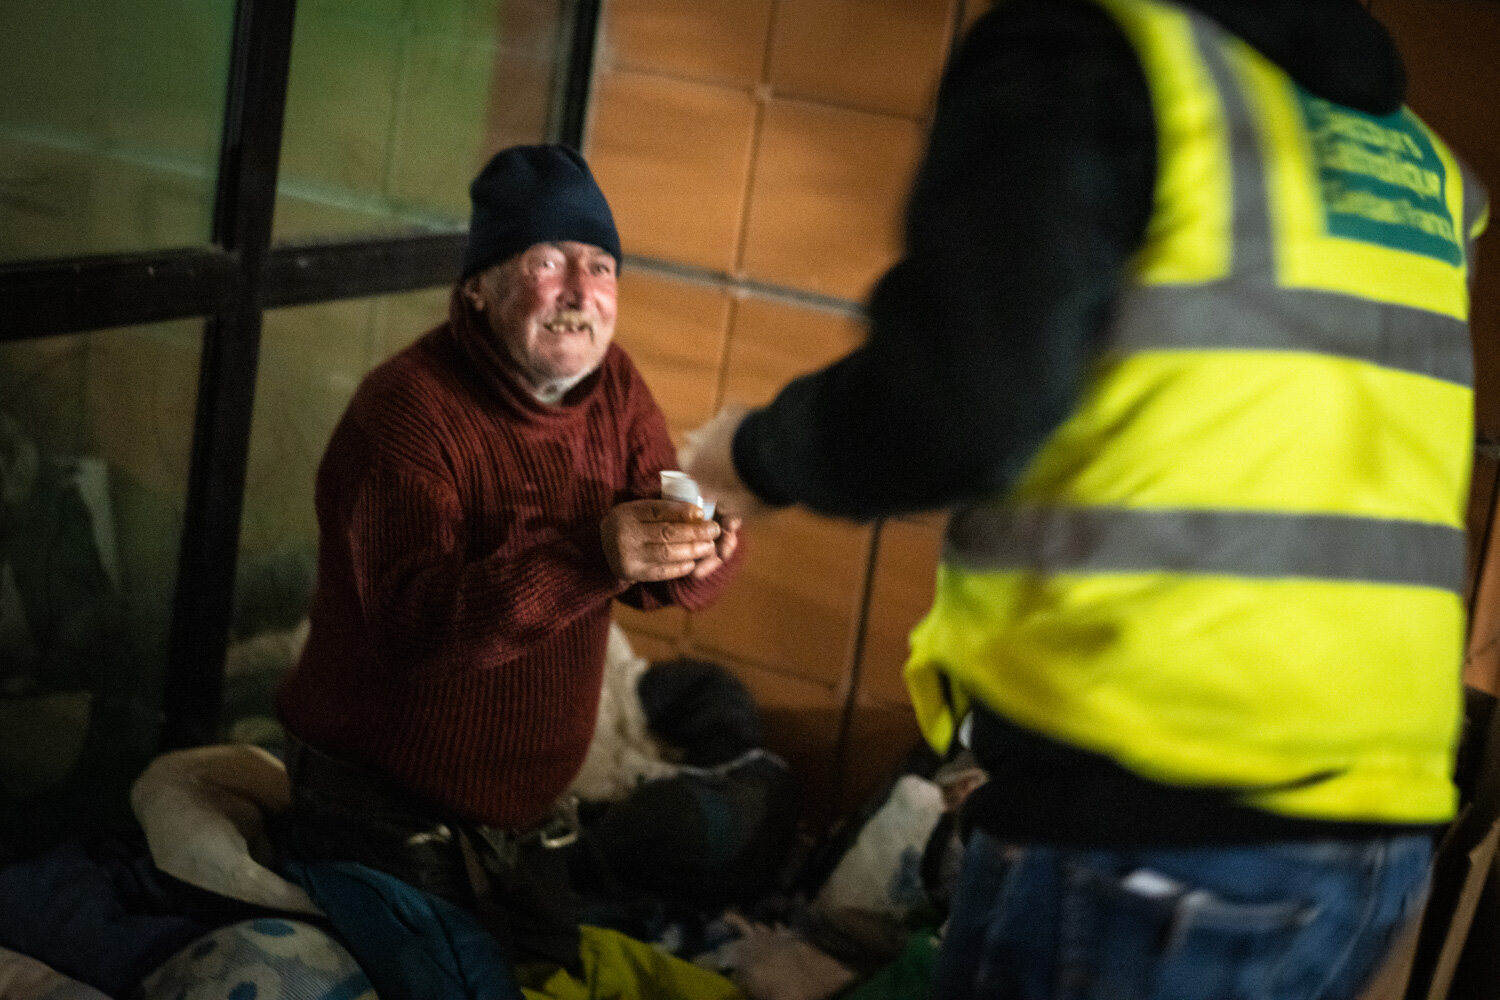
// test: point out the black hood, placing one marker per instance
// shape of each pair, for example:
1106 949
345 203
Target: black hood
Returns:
1333 48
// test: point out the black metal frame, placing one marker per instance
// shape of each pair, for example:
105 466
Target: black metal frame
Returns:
231 284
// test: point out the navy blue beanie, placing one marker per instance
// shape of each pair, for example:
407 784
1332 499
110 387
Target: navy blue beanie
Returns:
535 194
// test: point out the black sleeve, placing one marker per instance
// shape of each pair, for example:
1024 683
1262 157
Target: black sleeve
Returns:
1035 189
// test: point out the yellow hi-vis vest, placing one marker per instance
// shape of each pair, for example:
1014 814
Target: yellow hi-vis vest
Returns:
1238 565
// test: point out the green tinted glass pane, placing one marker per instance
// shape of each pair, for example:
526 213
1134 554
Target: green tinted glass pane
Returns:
393 106
312 357
110 119
94 445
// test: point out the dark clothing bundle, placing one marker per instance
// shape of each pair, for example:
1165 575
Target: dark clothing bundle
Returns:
407 942
705 839
50 549
679 849
700 709
98 911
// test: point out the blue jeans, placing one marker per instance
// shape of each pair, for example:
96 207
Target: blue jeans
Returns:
1279 921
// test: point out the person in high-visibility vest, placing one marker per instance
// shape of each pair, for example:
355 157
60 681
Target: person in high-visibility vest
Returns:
1180 338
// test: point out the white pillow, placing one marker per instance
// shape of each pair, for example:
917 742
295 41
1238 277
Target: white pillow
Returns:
622 752
268 959
881 872
203 811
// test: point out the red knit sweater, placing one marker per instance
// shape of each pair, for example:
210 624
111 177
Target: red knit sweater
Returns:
462 607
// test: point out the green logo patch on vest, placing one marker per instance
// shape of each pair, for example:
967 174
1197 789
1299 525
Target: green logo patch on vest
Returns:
1382 180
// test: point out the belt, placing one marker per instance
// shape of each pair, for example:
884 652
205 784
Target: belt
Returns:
350 785
360 789
558 829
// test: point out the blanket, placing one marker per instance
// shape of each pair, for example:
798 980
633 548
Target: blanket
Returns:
24 978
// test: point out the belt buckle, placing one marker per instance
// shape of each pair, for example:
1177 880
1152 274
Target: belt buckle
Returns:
561 828
503 849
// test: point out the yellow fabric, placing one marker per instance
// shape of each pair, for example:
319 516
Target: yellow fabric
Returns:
1172 677
1322 698
1188 237
617 967
1120 451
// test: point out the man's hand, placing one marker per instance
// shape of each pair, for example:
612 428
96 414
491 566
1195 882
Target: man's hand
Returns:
724 546
648 540
708 457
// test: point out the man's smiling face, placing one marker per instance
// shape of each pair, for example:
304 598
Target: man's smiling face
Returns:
552 307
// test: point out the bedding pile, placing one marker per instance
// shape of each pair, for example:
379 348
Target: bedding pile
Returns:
688 871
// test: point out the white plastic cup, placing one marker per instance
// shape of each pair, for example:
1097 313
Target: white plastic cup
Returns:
677 485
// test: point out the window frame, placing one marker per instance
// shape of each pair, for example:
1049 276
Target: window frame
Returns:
230 285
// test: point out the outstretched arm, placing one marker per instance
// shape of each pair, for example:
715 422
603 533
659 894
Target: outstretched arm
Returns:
1034 192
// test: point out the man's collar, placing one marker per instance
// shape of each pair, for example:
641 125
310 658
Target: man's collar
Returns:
553 391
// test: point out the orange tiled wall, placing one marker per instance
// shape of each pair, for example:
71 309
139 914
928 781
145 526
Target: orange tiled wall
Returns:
757 155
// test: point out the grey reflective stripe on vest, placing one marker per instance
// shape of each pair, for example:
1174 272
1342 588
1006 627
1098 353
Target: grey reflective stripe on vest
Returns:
1228 543
1264 318
1251 242
1249 311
